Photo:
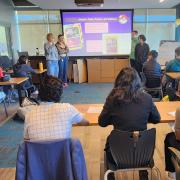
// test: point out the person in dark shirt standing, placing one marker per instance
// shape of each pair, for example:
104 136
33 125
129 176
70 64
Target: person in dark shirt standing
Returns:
128 108
141 53
152 70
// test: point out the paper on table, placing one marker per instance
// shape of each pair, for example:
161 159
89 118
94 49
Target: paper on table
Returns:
93 109
172 113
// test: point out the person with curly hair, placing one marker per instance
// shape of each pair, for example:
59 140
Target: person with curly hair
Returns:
50 119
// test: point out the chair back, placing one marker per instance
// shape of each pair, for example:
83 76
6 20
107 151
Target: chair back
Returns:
132 149
5 62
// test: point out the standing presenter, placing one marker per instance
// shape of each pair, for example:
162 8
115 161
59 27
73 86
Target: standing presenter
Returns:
63 59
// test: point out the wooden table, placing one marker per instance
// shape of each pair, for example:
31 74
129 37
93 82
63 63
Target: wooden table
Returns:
163 108
174 75
15 81
40 72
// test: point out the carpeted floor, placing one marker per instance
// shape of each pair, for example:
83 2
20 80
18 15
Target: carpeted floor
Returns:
11 133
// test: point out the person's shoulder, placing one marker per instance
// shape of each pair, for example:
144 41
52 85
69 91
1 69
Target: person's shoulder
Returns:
145 96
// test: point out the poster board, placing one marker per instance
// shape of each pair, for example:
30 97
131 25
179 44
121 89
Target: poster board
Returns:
167 51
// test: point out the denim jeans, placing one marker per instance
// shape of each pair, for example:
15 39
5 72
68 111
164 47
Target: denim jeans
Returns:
63 68
52 68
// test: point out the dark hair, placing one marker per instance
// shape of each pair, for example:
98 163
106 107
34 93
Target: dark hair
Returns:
60 35
153 53
177 51
135 31
51 89
22 59
142 37
127 86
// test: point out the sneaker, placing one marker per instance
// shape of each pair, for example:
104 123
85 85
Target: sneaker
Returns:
65 85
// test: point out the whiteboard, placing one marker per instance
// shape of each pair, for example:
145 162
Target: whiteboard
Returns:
167 51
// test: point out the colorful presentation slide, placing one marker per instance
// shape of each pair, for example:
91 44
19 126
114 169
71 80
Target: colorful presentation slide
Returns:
98 33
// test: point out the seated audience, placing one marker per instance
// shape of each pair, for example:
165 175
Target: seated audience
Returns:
172 140
22 69
152 70
51 119
174 65
128 108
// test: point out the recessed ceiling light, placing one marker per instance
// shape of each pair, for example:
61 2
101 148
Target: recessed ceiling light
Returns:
161 1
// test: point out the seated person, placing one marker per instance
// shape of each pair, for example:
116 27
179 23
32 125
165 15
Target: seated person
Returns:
51 119
152 70
22 69
174 65
172 140
128 108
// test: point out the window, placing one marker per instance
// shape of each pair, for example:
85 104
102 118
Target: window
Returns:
34 26
3 42
155 24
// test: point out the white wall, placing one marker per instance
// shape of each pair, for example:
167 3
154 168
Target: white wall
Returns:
7 18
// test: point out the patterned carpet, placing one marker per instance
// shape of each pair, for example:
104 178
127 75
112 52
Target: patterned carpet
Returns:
11 133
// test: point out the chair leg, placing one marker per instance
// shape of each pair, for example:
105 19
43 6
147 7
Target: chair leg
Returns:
158 172
5 108
106 174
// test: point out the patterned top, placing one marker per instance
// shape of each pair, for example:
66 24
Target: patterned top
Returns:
49 121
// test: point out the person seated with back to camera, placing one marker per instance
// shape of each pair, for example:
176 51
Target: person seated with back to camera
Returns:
128 108
172 140
51 119
152 70
174 65
22 69
169 84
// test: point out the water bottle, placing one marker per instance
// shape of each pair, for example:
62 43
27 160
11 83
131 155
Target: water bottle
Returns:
37 51
41 66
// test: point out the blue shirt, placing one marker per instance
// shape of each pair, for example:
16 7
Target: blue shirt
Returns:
173 66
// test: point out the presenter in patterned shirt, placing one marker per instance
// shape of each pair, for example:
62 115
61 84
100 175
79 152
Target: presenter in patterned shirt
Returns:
51 119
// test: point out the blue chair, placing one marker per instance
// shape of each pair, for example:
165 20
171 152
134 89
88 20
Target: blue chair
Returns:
2 100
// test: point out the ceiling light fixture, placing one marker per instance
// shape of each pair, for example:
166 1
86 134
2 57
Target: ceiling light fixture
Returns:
161 1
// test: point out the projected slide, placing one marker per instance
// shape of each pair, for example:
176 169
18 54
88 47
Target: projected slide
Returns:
97 33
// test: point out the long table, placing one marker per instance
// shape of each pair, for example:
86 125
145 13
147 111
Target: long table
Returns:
91 111
15 81
174 75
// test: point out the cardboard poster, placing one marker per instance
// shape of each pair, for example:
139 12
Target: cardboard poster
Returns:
73 36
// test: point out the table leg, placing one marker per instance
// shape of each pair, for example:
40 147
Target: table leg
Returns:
19 94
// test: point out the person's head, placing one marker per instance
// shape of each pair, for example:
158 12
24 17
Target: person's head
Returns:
127 86
23 60
61 38
152 55
50 37
51 89
134 34
177 52
142 38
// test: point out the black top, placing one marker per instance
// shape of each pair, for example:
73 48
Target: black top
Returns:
132 116
152 72
141 52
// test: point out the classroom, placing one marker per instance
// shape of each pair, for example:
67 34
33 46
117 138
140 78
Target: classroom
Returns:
89 90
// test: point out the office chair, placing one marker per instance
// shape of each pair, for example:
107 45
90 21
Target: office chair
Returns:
2 100
147 86
131 151
176 161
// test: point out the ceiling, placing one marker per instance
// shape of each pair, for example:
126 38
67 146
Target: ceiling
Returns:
108 4
19 3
